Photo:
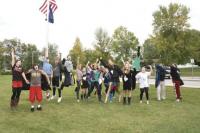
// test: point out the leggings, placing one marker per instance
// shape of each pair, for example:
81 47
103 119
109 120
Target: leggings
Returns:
177 87
16 93
78 88
146 90
59 91
98 88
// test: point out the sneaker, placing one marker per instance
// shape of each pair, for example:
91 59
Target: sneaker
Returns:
140 101
39 108
147 102
59 99
48 96
52 97
32 108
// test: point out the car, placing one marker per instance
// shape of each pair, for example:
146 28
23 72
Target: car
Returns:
167 72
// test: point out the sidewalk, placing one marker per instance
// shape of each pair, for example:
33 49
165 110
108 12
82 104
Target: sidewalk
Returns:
188 82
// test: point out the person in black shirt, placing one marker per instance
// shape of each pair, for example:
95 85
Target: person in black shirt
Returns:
127 79
17 78
57 78
84 85
175 74
160 82
115 73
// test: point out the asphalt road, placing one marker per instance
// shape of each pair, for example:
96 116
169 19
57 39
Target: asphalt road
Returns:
192 82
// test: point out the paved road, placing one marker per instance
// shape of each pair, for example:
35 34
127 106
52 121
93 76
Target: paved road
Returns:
188 82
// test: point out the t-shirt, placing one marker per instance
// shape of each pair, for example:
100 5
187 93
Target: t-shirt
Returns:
69 65
95 75
47 68
136 63
36 78
57 70
17 73
143 79
79 74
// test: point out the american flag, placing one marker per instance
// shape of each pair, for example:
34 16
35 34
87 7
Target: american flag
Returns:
44 7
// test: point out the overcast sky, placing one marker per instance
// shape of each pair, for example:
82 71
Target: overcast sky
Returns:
80 18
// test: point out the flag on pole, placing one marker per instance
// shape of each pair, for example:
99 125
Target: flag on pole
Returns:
50 17
48 8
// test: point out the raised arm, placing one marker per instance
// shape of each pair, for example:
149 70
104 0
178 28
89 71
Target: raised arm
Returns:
103 63
122 60
13 56
77 63
151 70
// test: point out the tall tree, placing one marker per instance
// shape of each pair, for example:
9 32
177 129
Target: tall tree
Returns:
77 52
102 43
151 53
123 44
170 24
192 37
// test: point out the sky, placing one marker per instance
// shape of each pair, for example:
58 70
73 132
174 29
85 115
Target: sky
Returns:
80 18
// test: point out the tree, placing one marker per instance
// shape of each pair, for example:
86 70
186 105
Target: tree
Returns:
23 52
77 52
170 25
2 49
192 37
102 43
151 53
123 44
32 56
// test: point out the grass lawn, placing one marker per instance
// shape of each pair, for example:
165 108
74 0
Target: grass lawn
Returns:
92 117
188 71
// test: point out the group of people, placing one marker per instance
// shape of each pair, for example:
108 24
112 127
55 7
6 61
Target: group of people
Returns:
89 77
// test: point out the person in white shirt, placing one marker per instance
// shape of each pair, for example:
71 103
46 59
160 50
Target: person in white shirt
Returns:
143 78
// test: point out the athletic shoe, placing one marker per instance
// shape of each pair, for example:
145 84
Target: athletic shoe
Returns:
140 101
52 97
39 108
32 108
59 99
147 102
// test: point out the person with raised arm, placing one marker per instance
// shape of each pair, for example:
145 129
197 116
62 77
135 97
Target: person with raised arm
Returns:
48 69
127 82
95 78
79 75
18 76
115 73
177 81
143 78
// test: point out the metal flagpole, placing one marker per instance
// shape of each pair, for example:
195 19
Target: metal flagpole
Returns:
47 32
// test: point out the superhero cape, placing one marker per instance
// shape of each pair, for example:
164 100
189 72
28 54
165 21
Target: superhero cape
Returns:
44 84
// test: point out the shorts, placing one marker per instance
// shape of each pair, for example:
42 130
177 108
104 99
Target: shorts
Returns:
127 86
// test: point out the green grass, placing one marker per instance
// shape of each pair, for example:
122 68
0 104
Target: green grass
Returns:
92 117
188 71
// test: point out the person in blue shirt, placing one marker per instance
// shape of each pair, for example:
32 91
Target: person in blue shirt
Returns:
48 69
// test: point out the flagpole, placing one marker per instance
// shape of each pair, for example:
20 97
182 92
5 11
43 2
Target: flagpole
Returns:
47 32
